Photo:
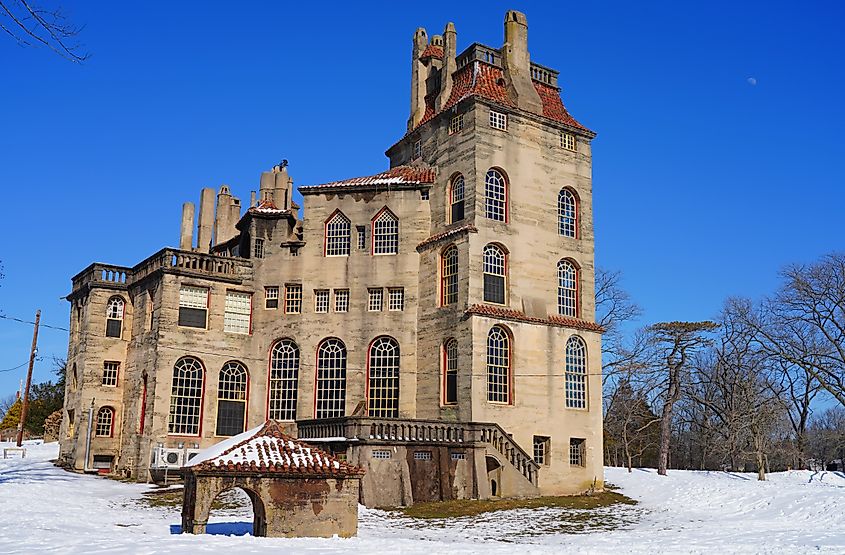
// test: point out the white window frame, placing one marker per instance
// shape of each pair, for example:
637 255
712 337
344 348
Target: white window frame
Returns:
375 299
568 141
111 372
498 120
396 299
237 312
283 380
293 298
338 235
321 300
341 300
385 233
496 196
456 124
271 293
575 373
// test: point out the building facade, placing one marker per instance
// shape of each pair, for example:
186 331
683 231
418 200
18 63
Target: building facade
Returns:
434 324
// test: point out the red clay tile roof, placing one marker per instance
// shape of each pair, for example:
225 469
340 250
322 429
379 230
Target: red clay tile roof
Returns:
519 316
432 51
399 175
448 234
553 107
269 450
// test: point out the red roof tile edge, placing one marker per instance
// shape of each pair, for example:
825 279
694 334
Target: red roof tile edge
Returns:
448 234
394 176
519 316
432 51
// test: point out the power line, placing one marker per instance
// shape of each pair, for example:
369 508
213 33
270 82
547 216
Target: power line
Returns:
21 365
32 323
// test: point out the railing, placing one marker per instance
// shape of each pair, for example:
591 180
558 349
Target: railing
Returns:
513 453
192 262
102 274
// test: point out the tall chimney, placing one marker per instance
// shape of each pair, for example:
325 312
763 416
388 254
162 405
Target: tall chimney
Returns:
223 226
450 38
186 234
417 78
206 220
517 63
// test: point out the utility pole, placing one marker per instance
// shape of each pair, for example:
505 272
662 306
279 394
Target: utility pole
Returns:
25 407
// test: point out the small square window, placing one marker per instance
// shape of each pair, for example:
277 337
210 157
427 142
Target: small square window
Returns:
422 455
341 300
456 124
424 195
541 449
576 452
271 297
110 372
396 299
498 120
459 456
417 150
567 141
376 299
321 300
381 454
258 249
293 299
362 236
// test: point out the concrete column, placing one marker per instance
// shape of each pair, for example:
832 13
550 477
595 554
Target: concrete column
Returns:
205 227
517 63
222 225
186 234
450 38
420 41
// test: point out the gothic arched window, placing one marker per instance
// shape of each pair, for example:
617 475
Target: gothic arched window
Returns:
456 199
495 196
383 379
186 397
284 380
114 317
105 422
338 235
231 399
576 373
385 233
331 379
498 365
495 273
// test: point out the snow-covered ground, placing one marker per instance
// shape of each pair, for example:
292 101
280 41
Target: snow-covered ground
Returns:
46 510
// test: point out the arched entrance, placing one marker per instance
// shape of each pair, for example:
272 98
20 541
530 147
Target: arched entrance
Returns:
494 476
231 510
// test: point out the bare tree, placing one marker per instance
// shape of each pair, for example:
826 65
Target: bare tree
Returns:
630 424
614 309
31 24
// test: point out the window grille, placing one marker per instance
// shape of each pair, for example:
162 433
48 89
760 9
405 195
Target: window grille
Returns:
567 289
498 366
576 373
186 398
417 150
114 317
450 358
331 379
110 372
422 455
449 275
258 249
396 299
567 141
567 216
386 233
383 386
541 450
105 422
341 300
381 454
376 298
293 299
321 300
456 200
271 297
459 456
284 380
237 312
362 236
498 120
231 399
337 235
193 306
456 124
495 268
576 451
495 196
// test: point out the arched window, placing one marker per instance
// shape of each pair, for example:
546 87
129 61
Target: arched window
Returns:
449 275
498 365
567 288
284 380
114 317
567 214
331 379
186 397
456 199
450 372
105 422
231 399
337 235
495 270
383 380
576 373
385 233
495 196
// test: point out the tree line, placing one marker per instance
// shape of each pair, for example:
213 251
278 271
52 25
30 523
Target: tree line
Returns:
761 387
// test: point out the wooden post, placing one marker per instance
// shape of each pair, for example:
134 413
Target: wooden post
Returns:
25 407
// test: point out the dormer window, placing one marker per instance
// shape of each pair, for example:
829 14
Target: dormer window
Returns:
498 120
567 141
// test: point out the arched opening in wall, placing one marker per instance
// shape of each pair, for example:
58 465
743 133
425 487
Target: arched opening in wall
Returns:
237 512
494 476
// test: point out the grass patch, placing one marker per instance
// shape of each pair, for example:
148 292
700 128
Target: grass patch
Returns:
470 507
172 497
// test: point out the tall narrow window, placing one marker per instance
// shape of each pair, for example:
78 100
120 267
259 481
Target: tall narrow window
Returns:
331 379
375 299
576 373
231 399
456 199
449 275
186 397
341 300
362 236
567 214
396 299
450 371
383 382
105 422
567 288
321 300
498 365
495 269
541 449
385 233
258 249
495 196
293 298
284 380
237 312
576 451
110 372
114 317
193 306
337 235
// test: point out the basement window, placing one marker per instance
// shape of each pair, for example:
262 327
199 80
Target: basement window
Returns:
541 449
576 452
459 456
422 455
381 454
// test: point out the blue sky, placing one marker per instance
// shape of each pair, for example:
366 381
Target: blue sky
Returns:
705 185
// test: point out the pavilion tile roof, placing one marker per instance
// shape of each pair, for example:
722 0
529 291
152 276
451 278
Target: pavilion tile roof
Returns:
267 449
267 206
448 234
519 316
432 51
396 176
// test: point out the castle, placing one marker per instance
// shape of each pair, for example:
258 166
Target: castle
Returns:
434 323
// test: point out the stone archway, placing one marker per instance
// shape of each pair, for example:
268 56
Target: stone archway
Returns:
259 514
494 476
